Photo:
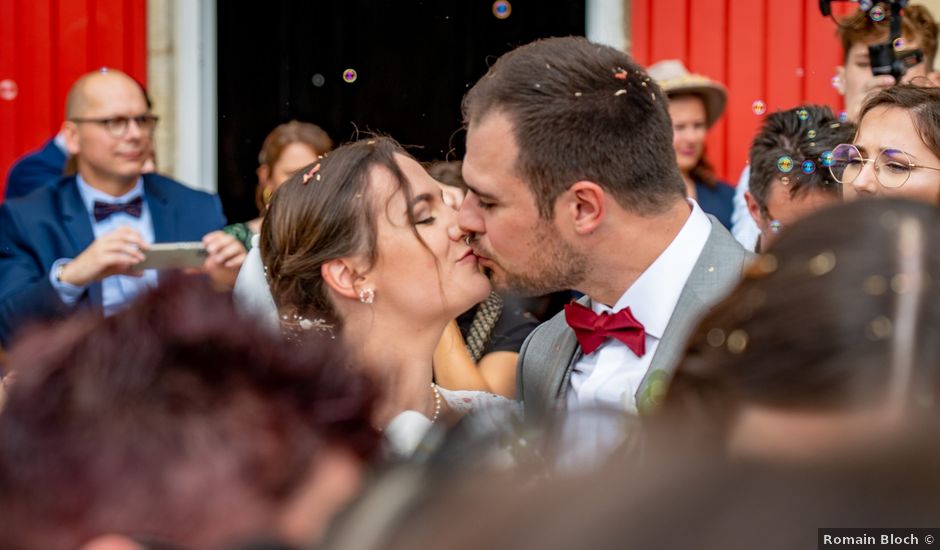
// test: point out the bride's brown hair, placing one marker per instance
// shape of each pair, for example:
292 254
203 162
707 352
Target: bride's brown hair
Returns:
324 212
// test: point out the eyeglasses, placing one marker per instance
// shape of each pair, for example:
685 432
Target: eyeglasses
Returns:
117 126
892 167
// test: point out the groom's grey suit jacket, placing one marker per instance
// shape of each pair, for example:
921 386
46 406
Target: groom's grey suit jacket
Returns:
551 350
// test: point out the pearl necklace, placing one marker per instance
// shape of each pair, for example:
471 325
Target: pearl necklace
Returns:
437 403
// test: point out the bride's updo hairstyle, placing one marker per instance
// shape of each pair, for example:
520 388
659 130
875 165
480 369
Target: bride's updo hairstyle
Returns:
324 212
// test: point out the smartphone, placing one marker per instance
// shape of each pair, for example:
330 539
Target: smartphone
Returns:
173 256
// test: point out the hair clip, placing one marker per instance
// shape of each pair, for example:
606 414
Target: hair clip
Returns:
311 172
620 74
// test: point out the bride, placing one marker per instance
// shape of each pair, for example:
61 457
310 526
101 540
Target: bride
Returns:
360 244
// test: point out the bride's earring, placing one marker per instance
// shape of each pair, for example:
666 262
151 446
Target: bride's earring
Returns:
367 295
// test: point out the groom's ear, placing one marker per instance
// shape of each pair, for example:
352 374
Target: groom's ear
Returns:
584 205
343 276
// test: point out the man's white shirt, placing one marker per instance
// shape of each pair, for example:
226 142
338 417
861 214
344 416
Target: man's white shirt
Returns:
611 375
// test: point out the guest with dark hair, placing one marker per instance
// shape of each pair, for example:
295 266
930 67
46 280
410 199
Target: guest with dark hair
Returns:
830 340
789 164
899 137
180 423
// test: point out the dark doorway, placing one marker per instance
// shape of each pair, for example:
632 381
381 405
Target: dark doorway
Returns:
281 60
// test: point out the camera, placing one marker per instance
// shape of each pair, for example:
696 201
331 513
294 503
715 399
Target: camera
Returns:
886 58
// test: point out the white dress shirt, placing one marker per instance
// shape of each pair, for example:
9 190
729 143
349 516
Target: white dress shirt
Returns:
611 375
117 291
742 224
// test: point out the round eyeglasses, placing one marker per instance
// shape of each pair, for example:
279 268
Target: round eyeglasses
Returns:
892 167
117 126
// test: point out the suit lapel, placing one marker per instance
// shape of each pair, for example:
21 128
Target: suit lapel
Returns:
564 354
161 212
718 267
77 224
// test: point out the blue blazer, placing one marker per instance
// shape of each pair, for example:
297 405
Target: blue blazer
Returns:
52 223
34 170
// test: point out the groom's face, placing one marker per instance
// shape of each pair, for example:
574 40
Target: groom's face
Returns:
518 249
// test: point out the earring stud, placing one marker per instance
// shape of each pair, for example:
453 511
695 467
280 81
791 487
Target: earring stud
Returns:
367 296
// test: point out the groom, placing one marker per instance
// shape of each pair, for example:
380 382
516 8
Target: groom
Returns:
573 184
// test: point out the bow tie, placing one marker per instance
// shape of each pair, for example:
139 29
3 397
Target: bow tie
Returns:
132 207
592 329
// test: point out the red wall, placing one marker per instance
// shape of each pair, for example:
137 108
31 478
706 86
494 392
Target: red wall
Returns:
44 46
782 52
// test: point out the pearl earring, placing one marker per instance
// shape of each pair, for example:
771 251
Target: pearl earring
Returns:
367 296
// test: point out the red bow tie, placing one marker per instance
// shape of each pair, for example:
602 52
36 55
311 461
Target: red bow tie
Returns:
592 329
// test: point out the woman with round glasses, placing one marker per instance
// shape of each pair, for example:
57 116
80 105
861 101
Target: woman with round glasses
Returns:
896 151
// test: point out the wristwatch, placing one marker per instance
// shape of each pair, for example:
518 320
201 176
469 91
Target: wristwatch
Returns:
59 270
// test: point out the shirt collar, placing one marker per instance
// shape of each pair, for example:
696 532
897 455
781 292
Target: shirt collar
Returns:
654 295
89 194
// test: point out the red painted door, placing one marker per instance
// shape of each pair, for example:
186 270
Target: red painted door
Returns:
44 46
780 52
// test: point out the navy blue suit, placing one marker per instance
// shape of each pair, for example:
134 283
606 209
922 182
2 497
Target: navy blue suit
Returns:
52 223
34 170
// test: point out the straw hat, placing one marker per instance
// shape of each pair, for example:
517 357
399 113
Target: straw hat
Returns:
675 79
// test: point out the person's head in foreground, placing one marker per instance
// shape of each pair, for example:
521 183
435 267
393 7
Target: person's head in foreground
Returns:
789 161
362 245
896 150
177 422
569 147
831 340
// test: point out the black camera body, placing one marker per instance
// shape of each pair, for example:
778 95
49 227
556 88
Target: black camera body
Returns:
886 58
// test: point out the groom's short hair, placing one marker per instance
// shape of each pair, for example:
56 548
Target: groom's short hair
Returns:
582 111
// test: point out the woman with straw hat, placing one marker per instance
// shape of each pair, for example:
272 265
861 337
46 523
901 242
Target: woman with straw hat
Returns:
695 103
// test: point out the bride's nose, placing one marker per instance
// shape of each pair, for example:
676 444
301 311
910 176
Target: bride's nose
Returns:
454 232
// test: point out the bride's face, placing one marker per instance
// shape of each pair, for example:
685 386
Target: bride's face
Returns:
436 280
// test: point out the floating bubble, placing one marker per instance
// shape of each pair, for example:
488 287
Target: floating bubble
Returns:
843 117
8 89
350 75
826 158
898 44
785 164
877 13
865 5
759 107
800 72
502 9
775 226
836 81
803 114
811 134
808 167
318 80
785 180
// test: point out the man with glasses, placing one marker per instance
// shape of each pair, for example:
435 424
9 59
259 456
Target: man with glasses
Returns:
76 243
789 162
47 165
